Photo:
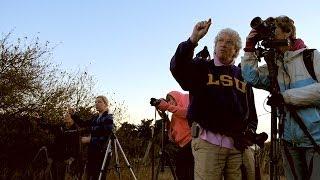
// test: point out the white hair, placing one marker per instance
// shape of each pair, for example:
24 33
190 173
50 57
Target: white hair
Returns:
235 36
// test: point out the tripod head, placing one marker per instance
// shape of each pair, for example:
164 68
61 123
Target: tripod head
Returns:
164 120
163 114
266 34
155 102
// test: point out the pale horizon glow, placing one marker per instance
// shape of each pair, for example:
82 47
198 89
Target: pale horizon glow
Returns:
127 45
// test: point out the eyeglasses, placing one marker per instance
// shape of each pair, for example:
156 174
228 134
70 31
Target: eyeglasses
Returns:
228 42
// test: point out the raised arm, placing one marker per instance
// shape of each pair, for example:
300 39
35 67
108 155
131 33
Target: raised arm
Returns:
178 111
254 75
186 70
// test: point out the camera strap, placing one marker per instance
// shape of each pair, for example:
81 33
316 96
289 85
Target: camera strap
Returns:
304 128
308 62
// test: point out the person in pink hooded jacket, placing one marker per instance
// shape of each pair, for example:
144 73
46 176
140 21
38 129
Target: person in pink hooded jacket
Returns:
179 132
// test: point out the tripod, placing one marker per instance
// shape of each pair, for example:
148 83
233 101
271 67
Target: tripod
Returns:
47 171
108 154
164 155
276 105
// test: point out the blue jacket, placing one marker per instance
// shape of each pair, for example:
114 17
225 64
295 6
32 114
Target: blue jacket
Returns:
100 129
297 87
220 101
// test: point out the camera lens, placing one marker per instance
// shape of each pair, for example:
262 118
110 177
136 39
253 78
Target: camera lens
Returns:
256 22
154 102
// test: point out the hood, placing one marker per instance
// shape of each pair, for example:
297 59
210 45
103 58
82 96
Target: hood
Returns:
297 44
297 48
181 99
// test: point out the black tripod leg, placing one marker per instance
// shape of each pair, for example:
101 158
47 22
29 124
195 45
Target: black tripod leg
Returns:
160 165
152 162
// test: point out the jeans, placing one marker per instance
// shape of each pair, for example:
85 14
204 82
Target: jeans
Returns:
301 164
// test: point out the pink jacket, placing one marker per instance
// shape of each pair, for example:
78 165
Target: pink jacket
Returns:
179 130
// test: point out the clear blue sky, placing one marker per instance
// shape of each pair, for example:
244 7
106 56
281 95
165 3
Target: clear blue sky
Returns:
127 45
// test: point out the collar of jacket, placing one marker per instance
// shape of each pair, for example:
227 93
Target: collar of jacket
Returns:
290 55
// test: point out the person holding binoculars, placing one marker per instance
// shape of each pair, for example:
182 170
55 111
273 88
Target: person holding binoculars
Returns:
297 76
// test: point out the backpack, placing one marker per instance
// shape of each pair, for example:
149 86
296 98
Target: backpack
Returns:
308 62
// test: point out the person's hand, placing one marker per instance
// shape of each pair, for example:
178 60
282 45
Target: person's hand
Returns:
251 41
200 30
242 142
163 105
69 161
85 139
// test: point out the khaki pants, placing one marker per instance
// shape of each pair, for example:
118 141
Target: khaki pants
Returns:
213 162
248 161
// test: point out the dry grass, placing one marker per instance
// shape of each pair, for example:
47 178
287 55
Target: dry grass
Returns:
144 173
141 173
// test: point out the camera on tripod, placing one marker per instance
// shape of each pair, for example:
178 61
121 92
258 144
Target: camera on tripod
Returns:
154 102
257 139
265 28
266 34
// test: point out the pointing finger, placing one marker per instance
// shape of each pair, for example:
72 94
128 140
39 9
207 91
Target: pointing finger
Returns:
208 24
